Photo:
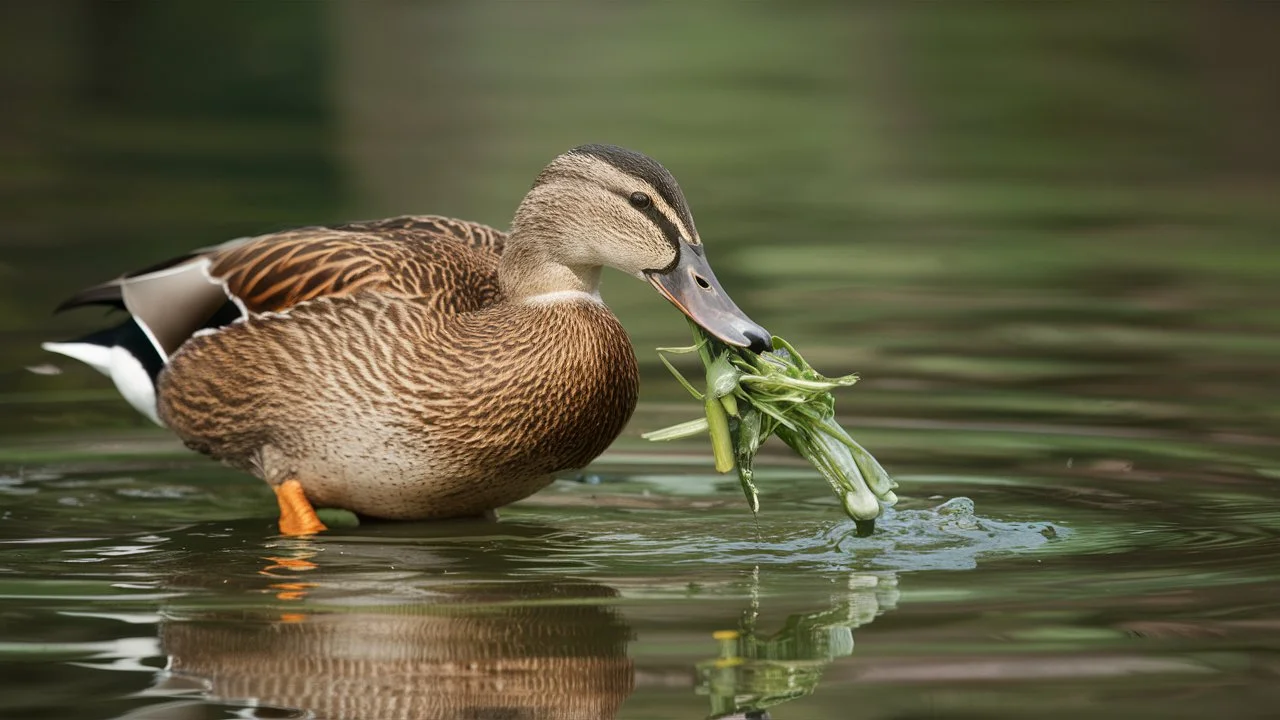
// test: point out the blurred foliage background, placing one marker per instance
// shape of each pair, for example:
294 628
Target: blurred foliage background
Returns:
990 209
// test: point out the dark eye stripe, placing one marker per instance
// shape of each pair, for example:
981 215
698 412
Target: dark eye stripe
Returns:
681 231
669 230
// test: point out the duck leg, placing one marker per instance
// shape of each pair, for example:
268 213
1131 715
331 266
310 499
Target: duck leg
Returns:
297 517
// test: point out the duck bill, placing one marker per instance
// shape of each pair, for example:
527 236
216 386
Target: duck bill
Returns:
693 288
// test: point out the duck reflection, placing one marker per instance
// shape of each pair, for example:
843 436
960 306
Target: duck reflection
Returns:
755 670
420 646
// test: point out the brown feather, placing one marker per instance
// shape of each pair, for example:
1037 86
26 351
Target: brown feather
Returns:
395 383
416 413
398 256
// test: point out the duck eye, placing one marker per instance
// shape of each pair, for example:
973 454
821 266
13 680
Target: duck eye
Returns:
640 201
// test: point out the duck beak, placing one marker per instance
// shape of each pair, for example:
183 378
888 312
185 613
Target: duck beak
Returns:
692 287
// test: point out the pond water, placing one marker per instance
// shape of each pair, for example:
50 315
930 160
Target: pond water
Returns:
1046 241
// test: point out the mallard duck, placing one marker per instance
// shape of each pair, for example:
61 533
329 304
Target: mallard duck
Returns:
416 367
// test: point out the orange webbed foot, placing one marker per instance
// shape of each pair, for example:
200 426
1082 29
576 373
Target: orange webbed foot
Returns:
297 517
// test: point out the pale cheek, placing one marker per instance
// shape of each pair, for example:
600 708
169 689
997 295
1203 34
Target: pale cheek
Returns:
625 256
652 255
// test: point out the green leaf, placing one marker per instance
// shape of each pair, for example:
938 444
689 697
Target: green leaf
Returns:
677 432
777 392
679 377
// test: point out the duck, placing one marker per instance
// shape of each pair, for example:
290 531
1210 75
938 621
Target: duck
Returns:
417 367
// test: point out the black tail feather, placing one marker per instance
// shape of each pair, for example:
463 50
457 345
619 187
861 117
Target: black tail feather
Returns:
109 294
129 336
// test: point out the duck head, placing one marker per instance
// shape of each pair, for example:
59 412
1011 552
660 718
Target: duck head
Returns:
601 205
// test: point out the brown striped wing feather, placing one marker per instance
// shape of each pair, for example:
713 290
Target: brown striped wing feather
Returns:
449 263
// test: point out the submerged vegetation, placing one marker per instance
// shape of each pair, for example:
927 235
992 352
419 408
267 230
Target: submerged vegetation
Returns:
750 396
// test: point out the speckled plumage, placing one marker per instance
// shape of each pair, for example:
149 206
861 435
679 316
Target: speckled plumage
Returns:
435 399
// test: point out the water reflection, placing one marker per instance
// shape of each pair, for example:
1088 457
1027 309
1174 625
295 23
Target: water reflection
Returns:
756 670
357 629
456 625
519 650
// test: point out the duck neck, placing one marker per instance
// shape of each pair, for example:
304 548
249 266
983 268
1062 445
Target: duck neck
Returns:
529 269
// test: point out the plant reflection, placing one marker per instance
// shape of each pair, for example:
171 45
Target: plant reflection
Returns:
756 670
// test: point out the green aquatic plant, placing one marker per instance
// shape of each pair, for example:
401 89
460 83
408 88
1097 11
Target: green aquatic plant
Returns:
750 396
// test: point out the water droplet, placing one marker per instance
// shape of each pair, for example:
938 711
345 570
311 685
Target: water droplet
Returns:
957 507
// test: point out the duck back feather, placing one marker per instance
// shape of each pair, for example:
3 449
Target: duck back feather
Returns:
208 289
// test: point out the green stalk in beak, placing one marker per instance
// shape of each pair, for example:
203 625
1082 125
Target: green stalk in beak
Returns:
691 286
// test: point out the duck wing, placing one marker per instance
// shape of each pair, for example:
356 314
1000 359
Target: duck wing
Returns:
449 263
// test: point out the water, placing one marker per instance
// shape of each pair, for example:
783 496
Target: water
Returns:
159 589
1044 239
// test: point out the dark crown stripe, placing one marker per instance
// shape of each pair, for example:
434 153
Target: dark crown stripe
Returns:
645 168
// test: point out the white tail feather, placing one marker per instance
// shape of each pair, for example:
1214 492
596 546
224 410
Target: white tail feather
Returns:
95 356
131 379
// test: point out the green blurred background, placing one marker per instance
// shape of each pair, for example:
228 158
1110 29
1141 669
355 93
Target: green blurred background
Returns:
959 200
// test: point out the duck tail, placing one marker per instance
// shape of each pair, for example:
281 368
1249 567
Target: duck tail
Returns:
124 354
